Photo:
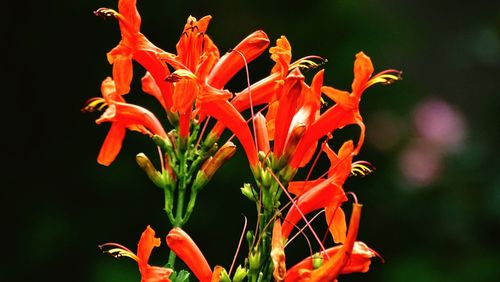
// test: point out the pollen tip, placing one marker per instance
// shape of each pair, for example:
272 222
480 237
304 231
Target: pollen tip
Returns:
105 13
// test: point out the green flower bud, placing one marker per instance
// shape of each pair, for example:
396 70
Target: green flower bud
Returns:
249 237
317 260
266 178
254 260
165 144
224 277
249 192
240 274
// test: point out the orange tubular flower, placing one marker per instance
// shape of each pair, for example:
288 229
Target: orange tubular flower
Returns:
122 116
146 244
133 45
229 64
323 193
326 193
200 75
346 109
333 267
262 135
350 257
185 248
359 261
225 113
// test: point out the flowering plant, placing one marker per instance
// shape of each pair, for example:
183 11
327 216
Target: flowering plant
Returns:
288 128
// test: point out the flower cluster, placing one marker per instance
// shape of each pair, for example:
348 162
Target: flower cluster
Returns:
289 128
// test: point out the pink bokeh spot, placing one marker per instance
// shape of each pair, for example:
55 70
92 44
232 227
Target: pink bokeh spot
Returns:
420 163
440 123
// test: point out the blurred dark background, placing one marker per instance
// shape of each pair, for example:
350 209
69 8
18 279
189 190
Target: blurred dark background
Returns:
431 209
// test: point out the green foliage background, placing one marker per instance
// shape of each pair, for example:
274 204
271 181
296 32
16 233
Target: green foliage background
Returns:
59 204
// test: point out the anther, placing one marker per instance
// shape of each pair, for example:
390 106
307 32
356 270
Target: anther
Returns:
105 13
173 77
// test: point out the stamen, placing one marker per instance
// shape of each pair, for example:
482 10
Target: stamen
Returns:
385 77
105 13
249 95
307 63
94 104
202 131
354 196
301 231
298 209
362 168
239 245
119 251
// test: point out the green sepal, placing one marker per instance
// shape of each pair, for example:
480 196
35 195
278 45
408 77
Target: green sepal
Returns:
180 276
240 274
249 192
165 144
200 181
224 277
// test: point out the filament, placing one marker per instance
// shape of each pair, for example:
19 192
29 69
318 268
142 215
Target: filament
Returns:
300 212
239 245
249 95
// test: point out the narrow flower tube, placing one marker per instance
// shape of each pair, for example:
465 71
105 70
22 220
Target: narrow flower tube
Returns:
229 64
224 112
288 105
185 248
262 136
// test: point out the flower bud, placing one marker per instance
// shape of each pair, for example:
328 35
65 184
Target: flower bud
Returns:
262 134
212 164
155 176
240 274
317 260
164 143
249 192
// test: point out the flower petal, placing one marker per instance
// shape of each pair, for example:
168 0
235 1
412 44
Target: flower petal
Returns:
185 248
112 144
146 245
229 64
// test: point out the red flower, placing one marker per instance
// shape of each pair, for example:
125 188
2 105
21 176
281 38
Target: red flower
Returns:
133 45
359 261
146 244
323 193
185 248
224 112
200 75
122 116
346 109
351 256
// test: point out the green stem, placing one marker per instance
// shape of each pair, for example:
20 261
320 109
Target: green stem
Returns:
171 259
